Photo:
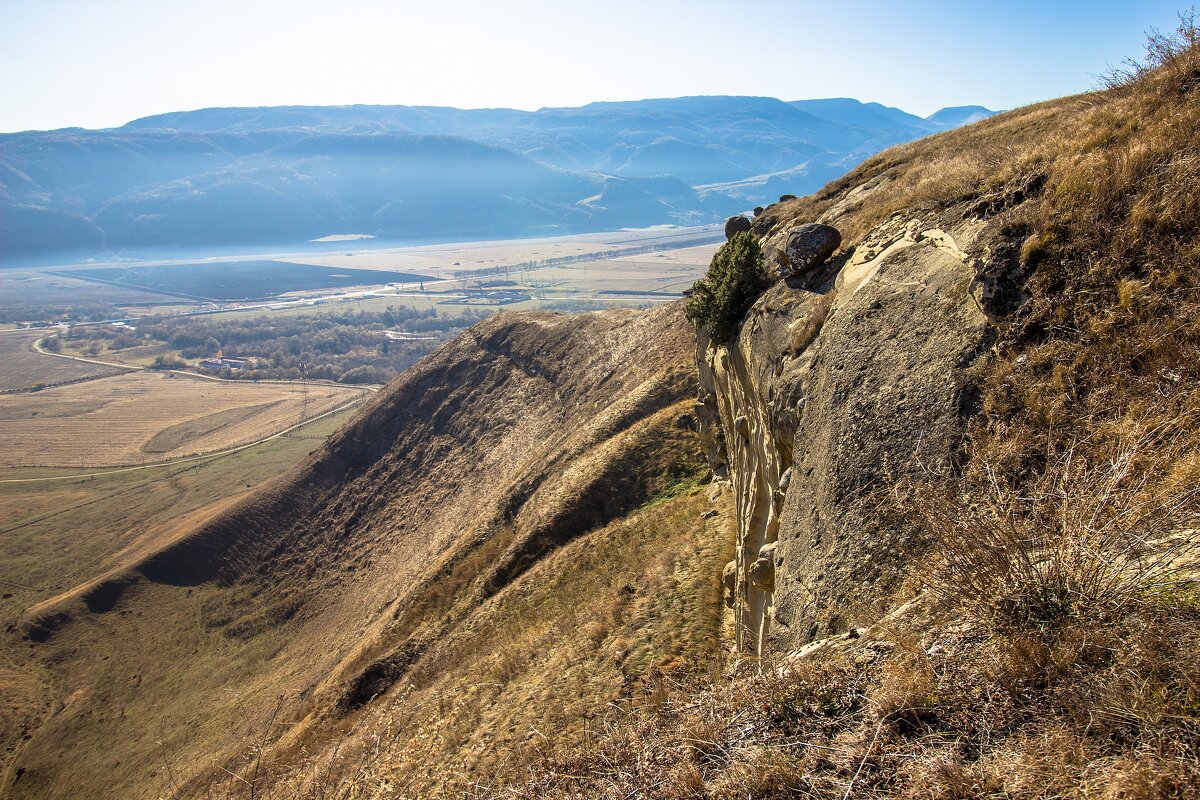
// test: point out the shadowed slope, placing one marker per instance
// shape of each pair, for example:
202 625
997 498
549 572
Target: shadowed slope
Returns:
326 587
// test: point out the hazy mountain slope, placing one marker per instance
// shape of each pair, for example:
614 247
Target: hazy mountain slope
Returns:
957 116
875 117
753 134
285 175
293 186
409 551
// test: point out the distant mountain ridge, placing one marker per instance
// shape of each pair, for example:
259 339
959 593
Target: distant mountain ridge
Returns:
235 176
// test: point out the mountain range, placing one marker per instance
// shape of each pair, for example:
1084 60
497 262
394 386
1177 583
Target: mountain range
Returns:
284 175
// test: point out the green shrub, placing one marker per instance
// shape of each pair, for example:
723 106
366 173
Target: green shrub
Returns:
168 361
735 279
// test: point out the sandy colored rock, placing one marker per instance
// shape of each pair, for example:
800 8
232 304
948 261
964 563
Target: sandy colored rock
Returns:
831 383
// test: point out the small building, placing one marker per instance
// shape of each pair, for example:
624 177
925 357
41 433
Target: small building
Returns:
216 364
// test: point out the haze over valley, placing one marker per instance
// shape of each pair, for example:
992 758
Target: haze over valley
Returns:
391 422
230 177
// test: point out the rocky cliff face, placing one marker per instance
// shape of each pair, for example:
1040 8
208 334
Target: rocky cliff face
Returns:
842 376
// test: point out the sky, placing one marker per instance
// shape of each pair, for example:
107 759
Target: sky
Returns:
101 63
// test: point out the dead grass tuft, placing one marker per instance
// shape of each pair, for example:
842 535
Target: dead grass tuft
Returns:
1092 536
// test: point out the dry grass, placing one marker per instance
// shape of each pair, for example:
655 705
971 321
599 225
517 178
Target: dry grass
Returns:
956 712
616 619
130 419
1091 537
1062 659
42 554
1057 653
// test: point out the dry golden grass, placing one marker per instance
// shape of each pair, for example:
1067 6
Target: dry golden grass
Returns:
1057 653
461 554
1056 656
124 515
144 416
613 619
1092 536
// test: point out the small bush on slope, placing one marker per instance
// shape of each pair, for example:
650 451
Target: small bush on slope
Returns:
735 279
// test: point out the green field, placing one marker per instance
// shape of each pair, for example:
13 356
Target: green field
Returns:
66 526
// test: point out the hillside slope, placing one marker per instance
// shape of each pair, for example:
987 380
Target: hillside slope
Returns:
516 517
964 458
953 513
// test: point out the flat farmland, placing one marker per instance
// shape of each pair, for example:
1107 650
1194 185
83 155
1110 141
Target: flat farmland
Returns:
38 288
239 280
145 417
43 511
668 272
22 368
441 260
698 256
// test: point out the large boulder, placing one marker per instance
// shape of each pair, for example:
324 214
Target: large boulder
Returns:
807 247
762 572
736 225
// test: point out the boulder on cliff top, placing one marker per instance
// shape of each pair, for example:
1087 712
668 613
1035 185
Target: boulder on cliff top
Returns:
808 246
734 225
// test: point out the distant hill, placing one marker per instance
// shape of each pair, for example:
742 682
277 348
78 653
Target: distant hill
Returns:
958 116
283 175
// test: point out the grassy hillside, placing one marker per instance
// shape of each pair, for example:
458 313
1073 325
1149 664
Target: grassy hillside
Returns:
62 533
503 578
511 534
1044 643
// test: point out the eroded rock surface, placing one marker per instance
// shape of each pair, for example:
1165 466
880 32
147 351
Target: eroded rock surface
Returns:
845 374
807 246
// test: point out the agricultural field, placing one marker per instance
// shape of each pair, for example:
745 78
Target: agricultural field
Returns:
38 295
603 282
223 281
60 530
42 510
22 369
443 260
664 274
146 416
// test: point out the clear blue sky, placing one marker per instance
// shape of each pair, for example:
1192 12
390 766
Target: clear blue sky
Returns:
100 63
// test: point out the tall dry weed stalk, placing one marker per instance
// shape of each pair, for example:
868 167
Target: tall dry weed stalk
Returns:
1176 53
1093 535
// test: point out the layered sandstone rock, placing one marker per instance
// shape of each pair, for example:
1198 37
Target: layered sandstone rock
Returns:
845 375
